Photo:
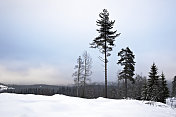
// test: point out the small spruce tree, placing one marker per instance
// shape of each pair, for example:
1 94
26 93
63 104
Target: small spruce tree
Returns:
164 91
153 84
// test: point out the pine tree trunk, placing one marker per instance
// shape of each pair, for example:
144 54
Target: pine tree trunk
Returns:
106 90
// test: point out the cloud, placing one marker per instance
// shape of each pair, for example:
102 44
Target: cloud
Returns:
43 74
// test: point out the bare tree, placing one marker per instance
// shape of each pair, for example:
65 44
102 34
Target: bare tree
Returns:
78 73
87 70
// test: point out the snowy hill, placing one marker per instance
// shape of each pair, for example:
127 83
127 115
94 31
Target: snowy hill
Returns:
17 105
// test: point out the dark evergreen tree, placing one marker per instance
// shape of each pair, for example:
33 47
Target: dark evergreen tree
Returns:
78 74
164 91
126 60
105 40
174 87
153 84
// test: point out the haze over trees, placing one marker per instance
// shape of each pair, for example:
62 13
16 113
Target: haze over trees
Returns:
105 41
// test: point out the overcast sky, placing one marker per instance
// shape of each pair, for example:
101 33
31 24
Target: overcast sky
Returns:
40 40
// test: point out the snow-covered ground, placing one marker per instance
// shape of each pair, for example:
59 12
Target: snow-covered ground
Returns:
17 105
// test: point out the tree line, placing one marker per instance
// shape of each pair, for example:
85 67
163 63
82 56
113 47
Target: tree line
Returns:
140 89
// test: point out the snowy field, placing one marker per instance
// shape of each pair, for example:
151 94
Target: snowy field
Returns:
17 105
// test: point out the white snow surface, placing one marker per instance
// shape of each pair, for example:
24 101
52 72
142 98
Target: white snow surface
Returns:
18 105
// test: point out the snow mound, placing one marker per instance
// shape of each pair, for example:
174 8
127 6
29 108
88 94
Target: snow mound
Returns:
3 88
17 105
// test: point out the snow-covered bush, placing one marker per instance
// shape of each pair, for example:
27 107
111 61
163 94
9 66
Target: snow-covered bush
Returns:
171 102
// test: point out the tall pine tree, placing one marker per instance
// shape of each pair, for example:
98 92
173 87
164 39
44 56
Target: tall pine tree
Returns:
126 60
164 91
105 40
153 84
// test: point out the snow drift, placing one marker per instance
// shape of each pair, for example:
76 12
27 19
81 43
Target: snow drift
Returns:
17 105
3 88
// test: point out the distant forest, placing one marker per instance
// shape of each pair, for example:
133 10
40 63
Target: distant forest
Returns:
93 90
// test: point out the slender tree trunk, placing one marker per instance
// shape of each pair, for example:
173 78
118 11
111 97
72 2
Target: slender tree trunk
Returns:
85 73
79 67
106 90
78 87
84 88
